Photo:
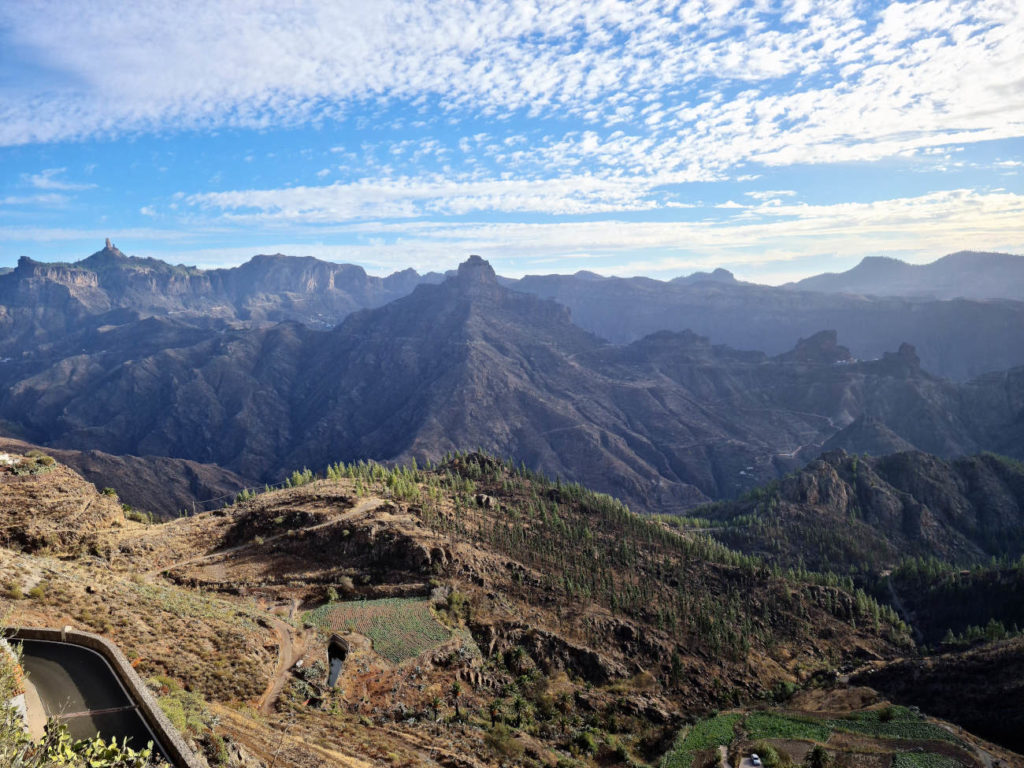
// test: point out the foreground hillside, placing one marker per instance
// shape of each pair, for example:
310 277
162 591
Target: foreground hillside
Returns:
483 614
158 485
664 423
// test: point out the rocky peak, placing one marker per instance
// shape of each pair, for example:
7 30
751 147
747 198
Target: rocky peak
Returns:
823 348
908 354
903 361
110 254
476 275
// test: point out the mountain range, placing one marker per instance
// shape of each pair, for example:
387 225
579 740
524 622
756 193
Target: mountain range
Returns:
961 275
665 422
958 338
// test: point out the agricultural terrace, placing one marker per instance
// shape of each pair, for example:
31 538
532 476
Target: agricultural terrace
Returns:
903 727
400 628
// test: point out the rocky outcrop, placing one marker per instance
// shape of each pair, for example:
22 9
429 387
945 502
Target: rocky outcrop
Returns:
844 511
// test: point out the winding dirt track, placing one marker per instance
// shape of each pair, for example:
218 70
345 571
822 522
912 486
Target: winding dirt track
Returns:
291 646
291 642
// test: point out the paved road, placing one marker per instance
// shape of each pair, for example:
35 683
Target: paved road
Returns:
77 686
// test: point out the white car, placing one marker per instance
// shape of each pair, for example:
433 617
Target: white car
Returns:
755 760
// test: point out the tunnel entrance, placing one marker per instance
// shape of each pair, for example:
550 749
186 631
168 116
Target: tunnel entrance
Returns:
337 651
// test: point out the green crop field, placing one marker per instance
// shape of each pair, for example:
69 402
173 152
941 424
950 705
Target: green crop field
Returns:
765 725
707 734
891 723
903 724
400 628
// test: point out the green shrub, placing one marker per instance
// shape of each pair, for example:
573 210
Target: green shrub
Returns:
818 757
499 739
586 742
38 592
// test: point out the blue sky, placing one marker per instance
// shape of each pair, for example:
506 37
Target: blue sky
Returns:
658 138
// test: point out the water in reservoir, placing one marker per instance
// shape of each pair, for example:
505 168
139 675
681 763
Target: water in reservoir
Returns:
78 687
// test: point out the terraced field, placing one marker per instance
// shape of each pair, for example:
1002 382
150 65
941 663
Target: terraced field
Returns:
400 628
707 734
904 728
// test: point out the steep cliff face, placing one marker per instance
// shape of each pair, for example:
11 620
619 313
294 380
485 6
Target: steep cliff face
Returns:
264 289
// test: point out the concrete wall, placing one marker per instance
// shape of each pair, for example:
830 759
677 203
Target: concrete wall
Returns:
169 737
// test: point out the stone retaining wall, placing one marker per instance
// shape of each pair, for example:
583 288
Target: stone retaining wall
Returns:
170 738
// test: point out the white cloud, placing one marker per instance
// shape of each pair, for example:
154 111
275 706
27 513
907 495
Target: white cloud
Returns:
770 194
433 195
51 179
756 242
818 81
51 198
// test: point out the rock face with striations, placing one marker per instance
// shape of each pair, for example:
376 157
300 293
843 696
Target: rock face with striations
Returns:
39 303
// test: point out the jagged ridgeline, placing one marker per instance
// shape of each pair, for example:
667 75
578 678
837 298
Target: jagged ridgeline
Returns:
665 422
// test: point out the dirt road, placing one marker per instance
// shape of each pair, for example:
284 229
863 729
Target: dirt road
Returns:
291 646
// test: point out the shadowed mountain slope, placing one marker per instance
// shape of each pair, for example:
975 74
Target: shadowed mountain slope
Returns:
849 513
664 423
157 484
959 338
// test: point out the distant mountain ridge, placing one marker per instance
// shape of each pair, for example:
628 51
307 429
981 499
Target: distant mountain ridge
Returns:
960 275
664 423
958 339
267 288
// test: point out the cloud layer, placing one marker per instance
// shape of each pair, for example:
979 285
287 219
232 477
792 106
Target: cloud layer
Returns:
711 83
555 128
